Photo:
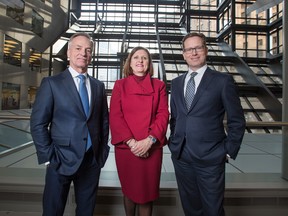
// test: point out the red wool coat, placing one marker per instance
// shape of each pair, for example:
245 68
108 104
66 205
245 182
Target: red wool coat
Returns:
138 110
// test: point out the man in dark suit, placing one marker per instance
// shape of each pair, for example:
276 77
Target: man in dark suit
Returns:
198 142
70 140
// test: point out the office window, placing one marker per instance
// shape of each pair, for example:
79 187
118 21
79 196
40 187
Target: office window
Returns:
37 23
35 60
10 96
15 10
12 51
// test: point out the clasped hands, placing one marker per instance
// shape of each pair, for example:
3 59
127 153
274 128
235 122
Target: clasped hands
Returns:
140 148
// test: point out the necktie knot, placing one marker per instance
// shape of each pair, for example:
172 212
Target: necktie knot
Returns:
82 77
193 74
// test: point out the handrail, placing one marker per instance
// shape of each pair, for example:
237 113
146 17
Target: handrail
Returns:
267 124
18 117
15 149
248 124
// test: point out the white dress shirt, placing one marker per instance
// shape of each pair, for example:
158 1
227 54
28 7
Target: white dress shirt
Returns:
77 81
197 78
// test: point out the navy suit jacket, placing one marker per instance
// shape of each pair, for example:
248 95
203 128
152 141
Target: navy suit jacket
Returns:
59 126
201 129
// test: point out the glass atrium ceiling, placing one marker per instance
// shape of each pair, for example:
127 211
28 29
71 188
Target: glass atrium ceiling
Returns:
246 45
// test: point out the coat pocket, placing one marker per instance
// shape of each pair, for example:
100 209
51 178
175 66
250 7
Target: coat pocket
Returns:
60 141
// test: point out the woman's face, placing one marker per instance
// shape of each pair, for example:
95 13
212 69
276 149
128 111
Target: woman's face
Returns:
140 62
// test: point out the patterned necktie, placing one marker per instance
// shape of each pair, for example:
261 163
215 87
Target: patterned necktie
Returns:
85 102
190 90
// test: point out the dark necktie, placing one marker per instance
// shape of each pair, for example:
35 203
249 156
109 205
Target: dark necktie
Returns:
85 102
190 90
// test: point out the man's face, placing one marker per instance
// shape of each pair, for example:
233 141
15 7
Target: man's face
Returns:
80 53
195 53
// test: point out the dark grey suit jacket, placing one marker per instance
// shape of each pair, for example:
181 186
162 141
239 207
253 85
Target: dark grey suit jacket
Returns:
59 126
201 129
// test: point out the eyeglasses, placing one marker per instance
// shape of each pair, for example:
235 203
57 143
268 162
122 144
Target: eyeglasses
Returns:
196 49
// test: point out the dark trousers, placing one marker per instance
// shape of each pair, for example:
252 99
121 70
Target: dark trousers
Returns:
85 182
201 188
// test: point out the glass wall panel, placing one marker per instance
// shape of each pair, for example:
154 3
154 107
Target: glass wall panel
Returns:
37 23
35 60
274 42
10 96
12 51
203 4
225 19
206 25
16 11
275 12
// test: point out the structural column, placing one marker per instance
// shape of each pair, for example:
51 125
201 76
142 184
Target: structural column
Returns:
285 93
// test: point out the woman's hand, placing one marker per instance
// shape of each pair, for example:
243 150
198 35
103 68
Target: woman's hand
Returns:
140 148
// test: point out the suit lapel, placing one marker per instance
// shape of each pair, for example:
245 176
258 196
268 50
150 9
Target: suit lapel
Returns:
72 93
182 84
204 83
94 93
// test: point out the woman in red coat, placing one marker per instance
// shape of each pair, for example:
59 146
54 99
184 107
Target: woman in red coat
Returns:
138 121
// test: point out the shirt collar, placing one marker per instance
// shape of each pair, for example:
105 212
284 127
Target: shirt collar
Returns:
199 71
74 73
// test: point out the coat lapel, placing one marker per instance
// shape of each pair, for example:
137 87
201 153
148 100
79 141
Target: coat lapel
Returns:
94 93
181 88
72 93
144 88
204 83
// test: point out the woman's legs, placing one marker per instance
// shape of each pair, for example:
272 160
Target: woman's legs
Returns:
129 206
143 209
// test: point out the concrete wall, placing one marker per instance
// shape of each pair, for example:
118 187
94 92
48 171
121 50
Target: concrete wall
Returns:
55 14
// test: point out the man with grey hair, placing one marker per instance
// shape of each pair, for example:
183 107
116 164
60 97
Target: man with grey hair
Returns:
70 128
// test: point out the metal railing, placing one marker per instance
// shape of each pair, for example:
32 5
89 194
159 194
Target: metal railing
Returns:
248 124
15 117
